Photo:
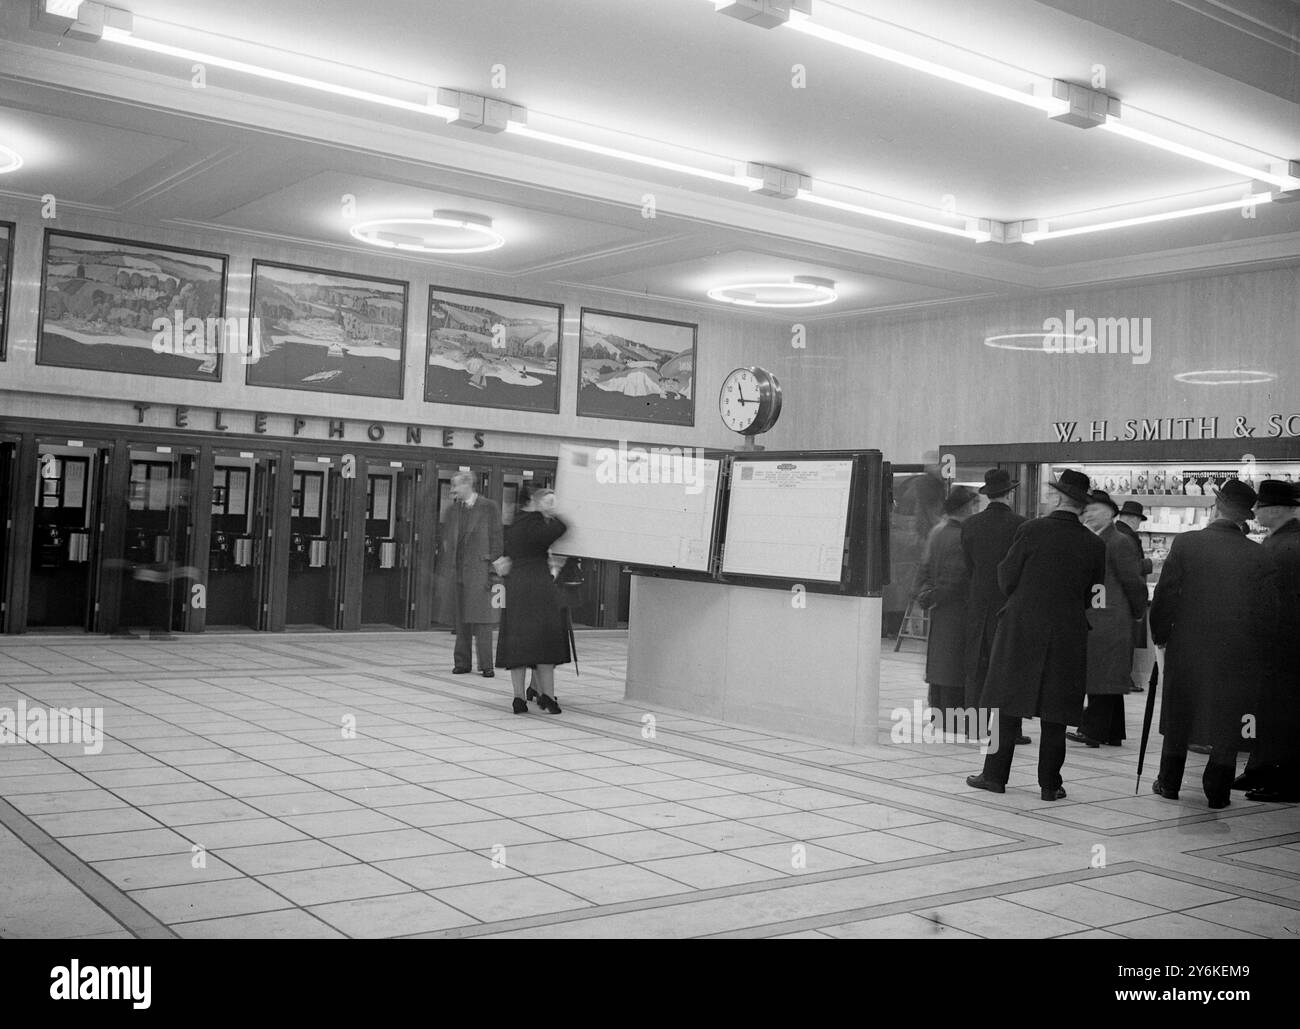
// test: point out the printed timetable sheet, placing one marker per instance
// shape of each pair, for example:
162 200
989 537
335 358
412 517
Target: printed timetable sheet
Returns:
788 519
649 507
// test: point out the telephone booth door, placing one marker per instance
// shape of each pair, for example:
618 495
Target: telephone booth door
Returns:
239 556
8 462
393 538
320 498
67 535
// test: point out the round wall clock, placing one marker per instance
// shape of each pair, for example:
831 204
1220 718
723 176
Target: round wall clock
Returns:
750 401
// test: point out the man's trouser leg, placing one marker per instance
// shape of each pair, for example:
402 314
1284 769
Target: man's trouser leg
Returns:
1051 755
464 655
997 764
483 640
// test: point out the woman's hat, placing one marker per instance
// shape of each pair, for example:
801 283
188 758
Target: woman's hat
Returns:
1132 507
997 481
957 499
1100 496
1073 484
1276 493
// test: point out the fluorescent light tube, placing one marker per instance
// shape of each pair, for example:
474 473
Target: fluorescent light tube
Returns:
1118 128
870 212
1147 219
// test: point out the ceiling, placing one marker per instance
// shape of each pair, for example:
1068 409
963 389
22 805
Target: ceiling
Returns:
125 134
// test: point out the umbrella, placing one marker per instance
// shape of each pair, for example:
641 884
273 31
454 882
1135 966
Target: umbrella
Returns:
1146 718
573 646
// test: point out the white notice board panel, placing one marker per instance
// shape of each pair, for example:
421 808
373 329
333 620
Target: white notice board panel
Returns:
651 506
788 519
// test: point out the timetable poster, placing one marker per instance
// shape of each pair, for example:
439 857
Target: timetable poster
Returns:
788 519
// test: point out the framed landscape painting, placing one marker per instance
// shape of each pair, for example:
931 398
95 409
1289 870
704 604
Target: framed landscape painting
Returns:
492 351
636 369
326 332
6 264
107 303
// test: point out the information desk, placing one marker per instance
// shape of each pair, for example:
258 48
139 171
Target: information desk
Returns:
808 665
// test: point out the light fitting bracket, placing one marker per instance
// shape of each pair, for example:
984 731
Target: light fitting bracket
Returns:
482 113
1088 107
763 14
777 182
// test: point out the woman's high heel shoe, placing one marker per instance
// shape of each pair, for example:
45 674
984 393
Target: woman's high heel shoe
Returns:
532 694
519 707
549 705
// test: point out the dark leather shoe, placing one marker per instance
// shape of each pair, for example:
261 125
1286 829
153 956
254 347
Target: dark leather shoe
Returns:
1161 790
1079 737
1268 795
488 673
548 704
461 671
520 707
1022 740
1049 794
980 783
1220 801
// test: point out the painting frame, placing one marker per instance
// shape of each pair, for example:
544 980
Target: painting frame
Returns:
496 397
649 393
7 231
344 280
167 363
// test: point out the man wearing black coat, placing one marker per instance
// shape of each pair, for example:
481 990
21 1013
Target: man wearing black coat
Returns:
985 539
1131 516
1273 774
1038 667
1215 612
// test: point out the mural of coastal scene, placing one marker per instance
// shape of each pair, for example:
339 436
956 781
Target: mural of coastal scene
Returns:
491 351
6 262
639 369
325 332
100 298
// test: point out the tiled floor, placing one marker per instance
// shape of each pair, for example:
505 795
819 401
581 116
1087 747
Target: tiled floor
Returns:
350 785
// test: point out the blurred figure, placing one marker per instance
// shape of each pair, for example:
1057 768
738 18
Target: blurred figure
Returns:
1110 640
942 586
1273 772
1040 651
985 539
1215 612
533 631
470 541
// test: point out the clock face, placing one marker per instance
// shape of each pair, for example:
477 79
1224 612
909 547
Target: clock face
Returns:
739 402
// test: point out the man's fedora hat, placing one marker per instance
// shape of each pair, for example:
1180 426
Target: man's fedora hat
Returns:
957 499
1074 485
1276 493
1132 507
997 481
1100 496
1235 493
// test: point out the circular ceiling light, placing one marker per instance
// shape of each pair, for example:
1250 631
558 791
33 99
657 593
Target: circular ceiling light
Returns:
800 291
446 232
1225 377
1062 343
10 160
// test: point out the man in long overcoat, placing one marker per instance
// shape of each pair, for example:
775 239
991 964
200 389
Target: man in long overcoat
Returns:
1215 612
985 539
470 541
1112 622
942 584
1273 774
1038 667
1131 517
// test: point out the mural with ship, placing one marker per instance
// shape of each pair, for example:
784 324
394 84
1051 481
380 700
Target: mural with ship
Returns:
639 369
492 351
325 332
101 298
6 261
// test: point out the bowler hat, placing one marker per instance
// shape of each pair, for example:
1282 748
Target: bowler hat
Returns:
1132 507
1276 493
1235 493
1100 496
957 499
997 481
1073 484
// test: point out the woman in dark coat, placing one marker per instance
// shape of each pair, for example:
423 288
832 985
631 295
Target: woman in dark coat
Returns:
533 633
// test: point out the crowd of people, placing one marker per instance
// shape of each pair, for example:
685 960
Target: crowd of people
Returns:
1036 618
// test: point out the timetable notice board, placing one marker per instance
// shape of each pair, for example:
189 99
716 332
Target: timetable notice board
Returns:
655 506
788 519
